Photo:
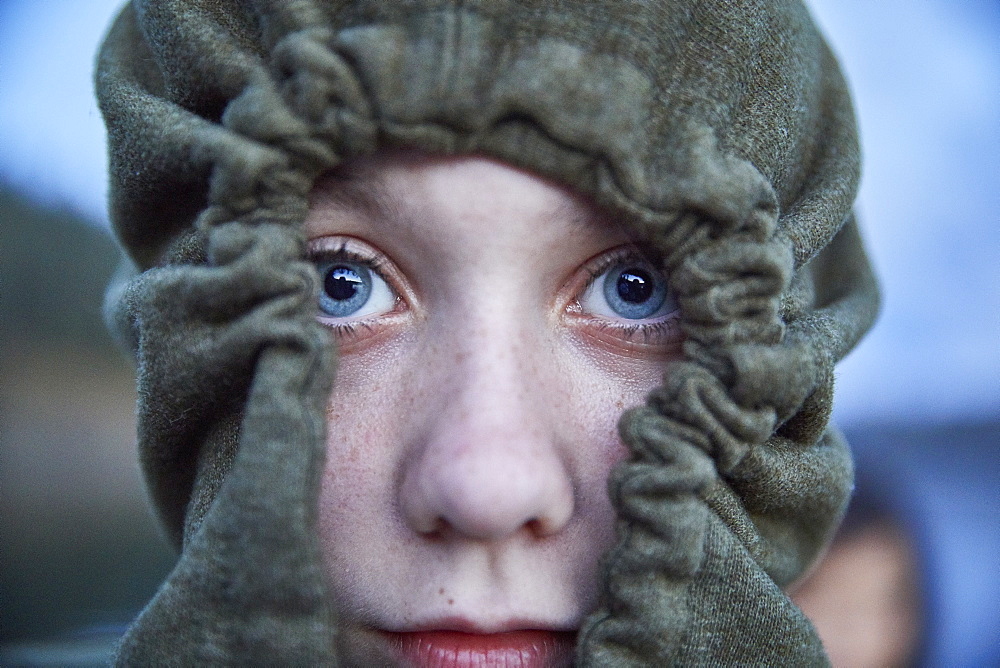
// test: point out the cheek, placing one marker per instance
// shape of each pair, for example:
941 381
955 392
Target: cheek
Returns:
364 432
352 493
599 390
354 471
597 394
603 387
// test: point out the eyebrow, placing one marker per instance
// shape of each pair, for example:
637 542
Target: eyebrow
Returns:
348 187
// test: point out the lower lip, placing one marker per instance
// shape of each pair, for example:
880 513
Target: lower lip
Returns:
454 649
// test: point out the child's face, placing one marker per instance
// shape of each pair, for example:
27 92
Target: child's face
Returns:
492 328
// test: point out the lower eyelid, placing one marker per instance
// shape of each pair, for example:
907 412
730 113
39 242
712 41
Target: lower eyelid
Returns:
664 331
639 344
659 329
363 333
634 325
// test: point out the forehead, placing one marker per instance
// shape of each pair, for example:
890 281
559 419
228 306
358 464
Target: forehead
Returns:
423 193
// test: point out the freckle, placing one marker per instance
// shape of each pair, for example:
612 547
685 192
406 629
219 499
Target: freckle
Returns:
441 590
451 601
620 404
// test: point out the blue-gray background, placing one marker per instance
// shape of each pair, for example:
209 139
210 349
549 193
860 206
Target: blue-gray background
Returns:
76 546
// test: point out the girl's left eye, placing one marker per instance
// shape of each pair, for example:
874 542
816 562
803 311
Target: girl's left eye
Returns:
629 290
352 289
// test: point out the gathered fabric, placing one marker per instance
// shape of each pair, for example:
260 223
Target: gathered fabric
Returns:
720 132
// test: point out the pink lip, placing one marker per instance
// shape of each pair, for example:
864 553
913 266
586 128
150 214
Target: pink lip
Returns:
457 649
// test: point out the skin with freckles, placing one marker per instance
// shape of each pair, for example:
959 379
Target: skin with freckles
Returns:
492 327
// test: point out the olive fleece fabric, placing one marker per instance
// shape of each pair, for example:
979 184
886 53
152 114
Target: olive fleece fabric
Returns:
721 131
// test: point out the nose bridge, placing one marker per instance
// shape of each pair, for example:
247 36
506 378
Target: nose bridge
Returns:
491 362
498 373
490 464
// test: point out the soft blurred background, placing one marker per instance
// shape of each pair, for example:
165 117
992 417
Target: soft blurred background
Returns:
80 552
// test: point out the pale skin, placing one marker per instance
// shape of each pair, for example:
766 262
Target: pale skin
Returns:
473 421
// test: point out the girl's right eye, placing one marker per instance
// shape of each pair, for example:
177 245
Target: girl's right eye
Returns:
352 289
358 296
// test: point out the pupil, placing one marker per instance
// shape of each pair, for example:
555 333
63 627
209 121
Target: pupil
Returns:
635 286
342 283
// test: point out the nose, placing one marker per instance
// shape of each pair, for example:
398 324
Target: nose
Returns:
489 465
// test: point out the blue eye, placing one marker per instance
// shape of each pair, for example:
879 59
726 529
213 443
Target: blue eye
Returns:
634 292
631 290
351 290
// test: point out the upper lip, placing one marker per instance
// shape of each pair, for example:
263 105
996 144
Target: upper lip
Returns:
464 625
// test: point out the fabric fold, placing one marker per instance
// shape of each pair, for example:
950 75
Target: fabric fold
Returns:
720 133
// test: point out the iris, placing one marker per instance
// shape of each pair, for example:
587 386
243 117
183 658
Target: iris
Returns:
347 286
633 291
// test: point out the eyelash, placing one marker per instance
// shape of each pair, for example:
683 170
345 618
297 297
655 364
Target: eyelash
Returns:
343 252
596 268
651 332
349 329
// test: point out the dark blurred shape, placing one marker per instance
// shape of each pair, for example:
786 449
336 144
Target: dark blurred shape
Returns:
913 577
78 549
53 271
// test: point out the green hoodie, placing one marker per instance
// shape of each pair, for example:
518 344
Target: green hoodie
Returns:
721 131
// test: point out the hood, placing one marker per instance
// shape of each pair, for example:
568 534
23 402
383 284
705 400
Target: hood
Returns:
722 132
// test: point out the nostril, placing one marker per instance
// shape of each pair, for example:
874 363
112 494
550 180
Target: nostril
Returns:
438 529
442 529
545 525
438 533
536 527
